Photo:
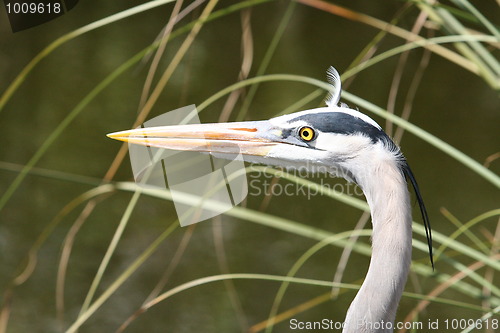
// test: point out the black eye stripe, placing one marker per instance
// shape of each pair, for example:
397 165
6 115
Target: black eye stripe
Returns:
342 123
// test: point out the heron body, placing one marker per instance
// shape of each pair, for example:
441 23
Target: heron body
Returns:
345 143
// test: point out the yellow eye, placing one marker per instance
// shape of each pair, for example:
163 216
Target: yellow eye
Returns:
306 133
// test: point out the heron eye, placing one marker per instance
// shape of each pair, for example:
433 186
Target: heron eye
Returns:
307 133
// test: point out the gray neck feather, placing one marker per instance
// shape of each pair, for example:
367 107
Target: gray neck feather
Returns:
374 307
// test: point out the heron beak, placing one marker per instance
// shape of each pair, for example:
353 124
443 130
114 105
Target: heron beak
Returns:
247 138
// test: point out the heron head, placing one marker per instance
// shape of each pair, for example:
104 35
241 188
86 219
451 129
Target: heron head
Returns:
335 140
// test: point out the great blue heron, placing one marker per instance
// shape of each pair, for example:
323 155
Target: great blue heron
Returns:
346 143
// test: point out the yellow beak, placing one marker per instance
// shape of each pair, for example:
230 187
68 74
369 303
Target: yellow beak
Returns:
248 138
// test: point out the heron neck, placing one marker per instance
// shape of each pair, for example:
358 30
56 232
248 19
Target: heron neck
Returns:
374 307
